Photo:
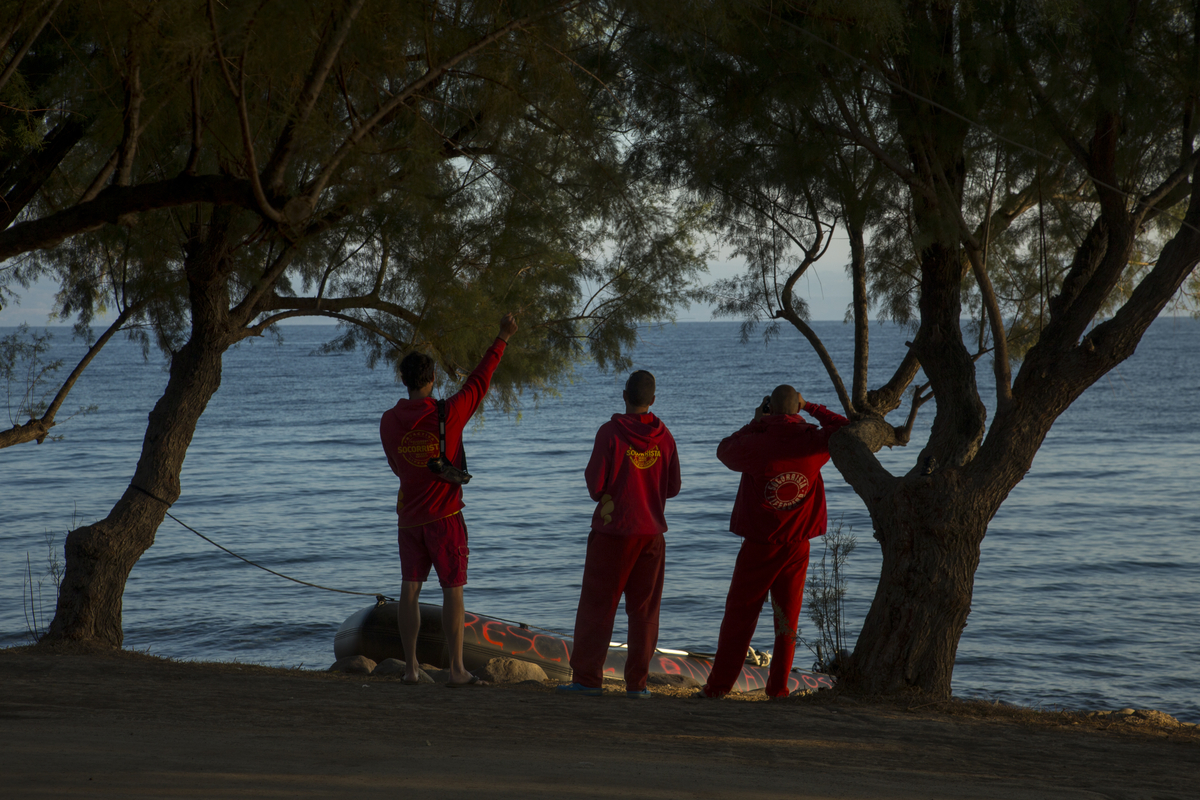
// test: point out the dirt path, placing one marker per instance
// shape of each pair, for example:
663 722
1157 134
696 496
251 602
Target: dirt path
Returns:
128 725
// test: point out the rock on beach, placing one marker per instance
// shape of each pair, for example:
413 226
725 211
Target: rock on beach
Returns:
353 665
498 670
1141 717
511 670
395 668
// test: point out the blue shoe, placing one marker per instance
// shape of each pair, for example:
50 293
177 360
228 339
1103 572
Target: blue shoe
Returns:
638 694
580 690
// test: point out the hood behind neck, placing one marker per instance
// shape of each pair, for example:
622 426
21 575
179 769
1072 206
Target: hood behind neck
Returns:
409 412
640 430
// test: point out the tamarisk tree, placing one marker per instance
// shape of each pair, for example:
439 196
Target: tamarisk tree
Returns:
1027 166
410 169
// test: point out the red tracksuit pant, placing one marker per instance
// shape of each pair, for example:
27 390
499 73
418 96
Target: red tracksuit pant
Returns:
761 568
616 565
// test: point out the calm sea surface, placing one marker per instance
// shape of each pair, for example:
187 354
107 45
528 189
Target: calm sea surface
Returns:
1087 596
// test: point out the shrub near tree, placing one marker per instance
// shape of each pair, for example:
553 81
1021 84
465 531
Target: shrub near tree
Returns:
1028 166
411 170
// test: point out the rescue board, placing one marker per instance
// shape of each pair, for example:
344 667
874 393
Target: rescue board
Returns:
374 632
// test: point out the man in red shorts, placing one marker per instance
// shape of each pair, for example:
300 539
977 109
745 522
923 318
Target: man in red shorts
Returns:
780 506
633 470
432 532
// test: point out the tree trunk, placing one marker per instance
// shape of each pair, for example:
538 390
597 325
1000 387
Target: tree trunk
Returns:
100 557
930 530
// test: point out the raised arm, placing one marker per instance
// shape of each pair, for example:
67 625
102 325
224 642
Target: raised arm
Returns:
831 421
466 400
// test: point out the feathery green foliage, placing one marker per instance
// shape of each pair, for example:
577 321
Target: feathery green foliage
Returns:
410 169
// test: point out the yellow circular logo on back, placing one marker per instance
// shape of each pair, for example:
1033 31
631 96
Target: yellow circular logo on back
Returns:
644 460
417 447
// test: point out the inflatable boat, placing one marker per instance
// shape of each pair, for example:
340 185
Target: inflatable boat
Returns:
375 633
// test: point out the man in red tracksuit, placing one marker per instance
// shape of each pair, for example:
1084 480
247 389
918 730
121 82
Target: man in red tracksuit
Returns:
633 470
780 506
431 529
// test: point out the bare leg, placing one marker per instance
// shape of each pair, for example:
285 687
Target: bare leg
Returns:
408 614
452 626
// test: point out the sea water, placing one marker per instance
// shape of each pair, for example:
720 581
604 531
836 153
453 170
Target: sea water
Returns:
1087 594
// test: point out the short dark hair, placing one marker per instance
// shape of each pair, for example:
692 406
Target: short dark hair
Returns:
639 389
416 370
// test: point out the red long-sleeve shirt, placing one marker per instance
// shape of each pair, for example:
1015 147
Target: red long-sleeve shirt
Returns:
633 470
781 496
409 432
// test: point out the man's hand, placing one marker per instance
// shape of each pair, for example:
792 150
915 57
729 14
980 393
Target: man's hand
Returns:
800 397
508 326
758 410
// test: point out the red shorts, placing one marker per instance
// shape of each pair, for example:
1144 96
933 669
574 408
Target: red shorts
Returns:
441 544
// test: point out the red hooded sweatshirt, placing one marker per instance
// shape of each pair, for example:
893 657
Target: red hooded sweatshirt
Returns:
781 497
633 470
409 432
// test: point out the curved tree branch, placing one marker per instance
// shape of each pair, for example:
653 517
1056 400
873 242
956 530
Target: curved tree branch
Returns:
852 450
258 329
23 183
38 429
323 61
116 201
11 67
819 347
238 90
888 397
313 192
133 115
314 306
1000 362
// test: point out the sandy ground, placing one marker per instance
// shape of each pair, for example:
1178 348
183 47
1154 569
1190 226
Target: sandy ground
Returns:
129 725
